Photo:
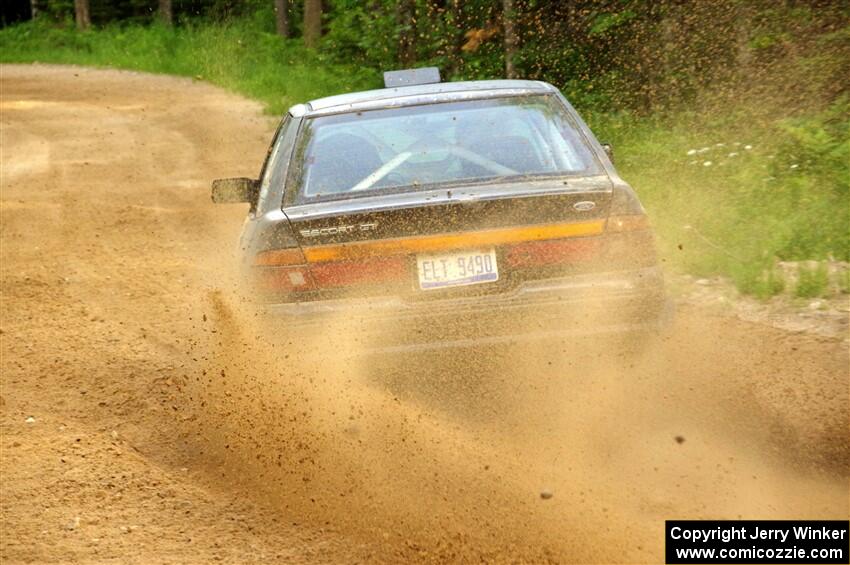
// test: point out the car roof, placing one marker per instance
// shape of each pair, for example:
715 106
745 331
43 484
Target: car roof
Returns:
420 94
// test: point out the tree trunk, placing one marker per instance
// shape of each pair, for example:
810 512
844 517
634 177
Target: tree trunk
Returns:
744 27
456 21
82 14
166 12
508 21
281 13
312 22
33 9
407 34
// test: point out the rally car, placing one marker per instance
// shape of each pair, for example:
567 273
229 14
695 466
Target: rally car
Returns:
446 214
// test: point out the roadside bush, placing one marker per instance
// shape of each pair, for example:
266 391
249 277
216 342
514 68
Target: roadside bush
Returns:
812 281
732 196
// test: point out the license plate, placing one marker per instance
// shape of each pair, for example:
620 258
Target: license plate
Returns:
457 269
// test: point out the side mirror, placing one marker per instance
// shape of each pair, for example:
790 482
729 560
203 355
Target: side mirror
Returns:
608 151
228 191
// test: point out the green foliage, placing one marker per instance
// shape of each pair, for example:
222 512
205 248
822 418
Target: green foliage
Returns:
844 281
721 208
240 56
759 282
812 168
608 55
105 12
812 282
361 34
605 22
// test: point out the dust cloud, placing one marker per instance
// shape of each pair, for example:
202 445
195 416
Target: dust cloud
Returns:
574 449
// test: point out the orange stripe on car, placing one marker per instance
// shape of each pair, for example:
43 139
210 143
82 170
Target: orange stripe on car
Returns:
278 257
360 249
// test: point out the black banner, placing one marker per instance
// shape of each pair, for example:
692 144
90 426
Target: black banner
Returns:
757 541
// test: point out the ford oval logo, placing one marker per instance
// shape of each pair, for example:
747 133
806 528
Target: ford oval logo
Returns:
584 205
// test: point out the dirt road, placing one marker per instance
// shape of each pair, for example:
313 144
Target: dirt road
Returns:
144 421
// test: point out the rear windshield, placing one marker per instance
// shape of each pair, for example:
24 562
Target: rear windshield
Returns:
398 149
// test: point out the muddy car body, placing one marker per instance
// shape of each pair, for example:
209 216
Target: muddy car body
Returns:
444 214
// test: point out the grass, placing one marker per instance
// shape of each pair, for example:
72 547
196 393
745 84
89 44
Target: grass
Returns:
812 281
730 192
844 281
732 195
235 56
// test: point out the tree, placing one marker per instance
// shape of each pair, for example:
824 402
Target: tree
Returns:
508 21
281 11
312 22
454 29
166 12
405 16
82 14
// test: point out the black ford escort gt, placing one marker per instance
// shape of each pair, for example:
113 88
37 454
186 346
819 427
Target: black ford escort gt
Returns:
448 213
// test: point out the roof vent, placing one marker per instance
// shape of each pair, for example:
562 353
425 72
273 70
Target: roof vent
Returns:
410 77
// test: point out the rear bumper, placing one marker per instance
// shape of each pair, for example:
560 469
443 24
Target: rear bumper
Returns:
618 301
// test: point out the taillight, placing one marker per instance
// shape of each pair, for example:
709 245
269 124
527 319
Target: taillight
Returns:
287 270
281 270
280 258
282 279
627 223
539 253
628 238
370 271
629 242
